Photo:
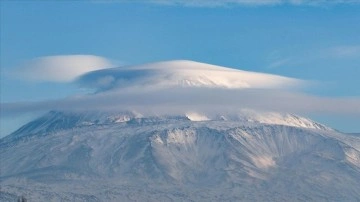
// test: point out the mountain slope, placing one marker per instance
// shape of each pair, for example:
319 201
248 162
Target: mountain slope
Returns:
95 157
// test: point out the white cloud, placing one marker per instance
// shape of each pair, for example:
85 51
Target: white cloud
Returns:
186 74
200 100
61 68
196 103
178 99
216 3
137 88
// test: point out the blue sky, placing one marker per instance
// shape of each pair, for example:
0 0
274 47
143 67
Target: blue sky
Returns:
319 41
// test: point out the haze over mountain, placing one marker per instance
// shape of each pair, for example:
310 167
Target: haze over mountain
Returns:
179 131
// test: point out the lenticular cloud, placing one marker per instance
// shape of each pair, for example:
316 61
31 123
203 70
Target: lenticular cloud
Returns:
61 68
180 74
178 87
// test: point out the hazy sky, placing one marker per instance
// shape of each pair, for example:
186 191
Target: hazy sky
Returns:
310 40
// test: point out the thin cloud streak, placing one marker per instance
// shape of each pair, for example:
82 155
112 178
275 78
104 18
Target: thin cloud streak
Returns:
174 101
332 53
279 63
225 3
345 51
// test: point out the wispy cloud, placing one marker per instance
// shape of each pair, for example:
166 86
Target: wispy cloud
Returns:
344 51
277 59
222 3
60 68
279 63
180 100
216 3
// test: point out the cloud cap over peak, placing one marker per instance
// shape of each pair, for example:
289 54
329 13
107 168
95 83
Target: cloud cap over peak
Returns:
183 73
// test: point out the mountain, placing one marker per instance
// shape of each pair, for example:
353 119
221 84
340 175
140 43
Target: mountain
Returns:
125 156
179 131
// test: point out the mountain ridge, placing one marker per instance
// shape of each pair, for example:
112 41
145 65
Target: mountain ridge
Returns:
58 120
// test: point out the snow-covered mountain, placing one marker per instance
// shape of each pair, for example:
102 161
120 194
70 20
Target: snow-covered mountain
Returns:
238 154
93 156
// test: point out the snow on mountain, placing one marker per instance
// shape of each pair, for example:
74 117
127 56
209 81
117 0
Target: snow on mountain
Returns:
92 156
196 116
62 120
183 73
281 119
